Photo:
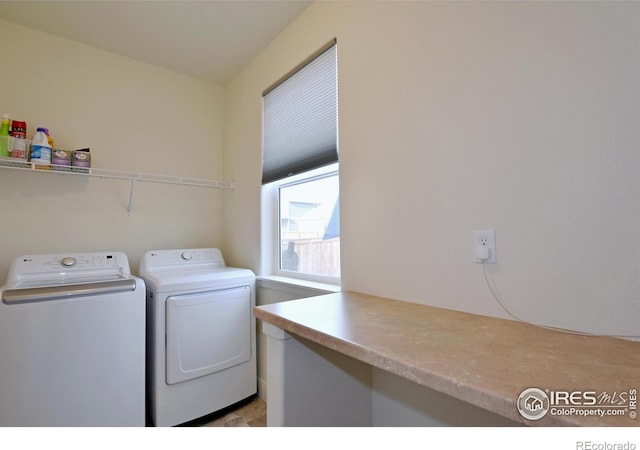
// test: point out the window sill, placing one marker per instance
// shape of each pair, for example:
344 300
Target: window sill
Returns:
277 281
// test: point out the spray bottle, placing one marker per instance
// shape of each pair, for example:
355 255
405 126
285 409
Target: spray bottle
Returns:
4 136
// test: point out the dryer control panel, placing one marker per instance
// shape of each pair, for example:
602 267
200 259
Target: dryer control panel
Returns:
179 258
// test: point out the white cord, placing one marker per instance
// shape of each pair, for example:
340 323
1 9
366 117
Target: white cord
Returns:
563 330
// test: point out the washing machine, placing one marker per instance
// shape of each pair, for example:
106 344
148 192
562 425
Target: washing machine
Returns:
72 342
201 343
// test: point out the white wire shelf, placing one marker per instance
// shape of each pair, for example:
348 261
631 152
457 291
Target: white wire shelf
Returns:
132 177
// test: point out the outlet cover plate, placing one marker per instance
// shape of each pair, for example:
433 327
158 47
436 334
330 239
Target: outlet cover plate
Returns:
485 238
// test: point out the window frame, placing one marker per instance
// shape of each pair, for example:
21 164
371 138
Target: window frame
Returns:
275 186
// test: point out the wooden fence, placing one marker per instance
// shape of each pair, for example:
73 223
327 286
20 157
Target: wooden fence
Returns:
314 256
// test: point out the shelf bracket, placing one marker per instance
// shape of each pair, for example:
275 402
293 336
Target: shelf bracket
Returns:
134 177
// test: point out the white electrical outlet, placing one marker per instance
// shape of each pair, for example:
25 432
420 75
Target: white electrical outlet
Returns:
484 245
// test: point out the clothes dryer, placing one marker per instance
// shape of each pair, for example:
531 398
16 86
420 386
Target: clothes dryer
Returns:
201 343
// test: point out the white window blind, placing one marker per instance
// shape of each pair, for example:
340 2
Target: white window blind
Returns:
300 120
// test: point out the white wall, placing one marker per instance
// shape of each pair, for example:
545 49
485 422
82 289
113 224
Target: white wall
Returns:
521 117
135 118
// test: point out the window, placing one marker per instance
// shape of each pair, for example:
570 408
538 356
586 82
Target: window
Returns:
309 234
300 166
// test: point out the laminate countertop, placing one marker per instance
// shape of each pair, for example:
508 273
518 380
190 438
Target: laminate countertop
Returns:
482 360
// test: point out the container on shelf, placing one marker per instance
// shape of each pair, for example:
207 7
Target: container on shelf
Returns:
61 159
81 161
19 145
16 161
41 150
4 136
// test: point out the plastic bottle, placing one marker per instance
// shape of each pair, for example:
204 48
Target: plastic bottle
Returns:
20 143
4 136
41 150
49 138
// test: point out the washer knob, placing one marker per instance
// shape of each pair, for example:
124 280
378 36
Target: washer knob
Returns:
68 262
186 256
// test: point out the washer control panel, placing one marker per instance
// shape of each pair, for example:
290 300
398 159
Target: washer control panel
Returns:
51 265
79 261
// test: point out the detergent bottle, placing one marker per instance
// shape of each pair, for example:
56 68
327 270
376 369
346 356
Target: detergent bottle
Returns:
41 150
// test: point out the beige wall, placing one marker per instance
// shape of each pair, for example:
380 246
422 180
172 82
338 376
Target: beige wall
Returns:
453 117
135 118
521 117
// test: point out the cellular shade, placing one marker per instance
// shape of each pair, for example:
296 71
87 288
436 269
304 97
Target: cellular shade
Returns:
300 120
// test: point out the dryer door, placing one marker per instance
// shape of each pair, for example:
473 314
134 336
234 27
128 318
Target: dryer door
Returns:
207 332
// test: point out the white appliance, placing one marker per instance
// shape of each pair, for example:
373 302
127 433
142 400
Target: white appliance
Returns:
72 342
201 350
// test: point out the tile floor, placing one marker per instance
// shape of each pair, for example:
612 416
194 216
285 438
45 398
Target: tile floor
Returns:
251 412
